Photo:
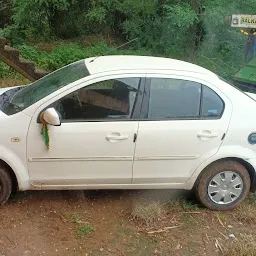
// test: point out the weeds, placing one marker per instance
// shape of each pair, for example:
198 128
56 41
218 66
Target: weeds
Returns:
75 218
182 204
82 228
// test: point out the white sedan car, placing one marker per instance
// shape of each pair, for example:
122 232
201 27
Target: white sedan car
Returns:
129 122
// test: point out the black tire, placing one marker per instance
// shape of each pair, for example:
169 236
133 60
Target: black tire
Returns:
201 186
5 184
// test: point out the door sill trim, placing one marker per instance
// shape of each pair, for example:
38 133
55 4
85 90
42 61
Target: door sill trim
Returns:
116 186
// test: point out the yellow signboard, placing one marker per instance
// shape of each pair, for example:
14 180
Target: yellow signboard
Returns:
243 21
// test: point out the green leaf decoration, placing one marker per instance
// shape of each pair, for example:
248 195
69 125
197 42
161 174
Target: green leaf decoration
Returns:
45 132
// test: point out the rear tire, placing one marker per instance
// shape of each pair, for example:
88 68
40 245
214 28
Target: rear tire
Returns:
5 185
223 185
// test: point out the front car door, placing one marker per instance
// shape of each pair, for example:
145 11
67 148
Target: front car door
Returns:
183 122
95 143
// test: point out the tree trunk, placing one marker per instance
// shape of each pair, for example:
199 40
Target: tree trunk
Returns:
5 13
196 31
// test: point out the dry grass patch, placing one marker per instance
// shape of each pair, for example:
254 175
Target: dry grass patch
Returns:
148 213
246 212
9 82
244 247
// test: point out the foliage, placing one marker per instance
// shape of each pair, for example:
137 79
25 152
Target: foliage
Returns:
5 70
65 53
5 12
193 30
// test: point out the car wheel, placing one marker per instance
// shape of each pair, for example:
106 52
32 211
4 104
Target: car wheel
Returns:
223 185
5 185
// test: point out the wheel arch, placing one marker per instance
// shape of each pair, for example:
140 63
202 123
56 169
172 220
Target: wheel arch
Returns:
16 168
250 169
12 174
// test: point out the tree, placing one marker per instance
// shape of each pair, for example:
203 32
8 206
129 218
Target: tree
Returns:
193 30
5 13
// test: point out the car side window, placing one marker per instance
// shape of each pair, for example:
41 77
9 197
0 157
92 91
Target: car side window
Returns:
182 99
110 99
174 98
212 104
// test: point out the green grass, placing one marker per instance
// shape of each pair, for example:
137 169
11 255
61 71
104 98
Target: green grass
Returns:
75 218
84 229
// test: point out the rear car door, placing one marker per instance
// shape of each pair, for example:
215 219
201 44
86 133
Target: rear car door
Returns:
183 122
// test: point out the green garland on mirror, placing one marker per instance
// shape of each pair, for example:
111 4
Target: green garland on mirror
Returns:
45 131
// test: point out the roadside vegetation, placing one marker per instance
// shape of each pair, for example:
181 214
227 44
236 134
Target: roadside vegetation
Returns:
54 33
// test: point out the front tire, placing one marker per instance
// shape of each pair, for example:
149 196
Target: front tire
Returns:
223 185
5 185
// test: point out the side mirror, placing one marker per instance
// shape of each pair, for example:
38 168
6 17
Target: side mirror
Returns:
51 116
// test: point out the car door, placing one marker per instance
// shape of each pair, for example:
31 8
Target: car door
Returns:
95 142
183 122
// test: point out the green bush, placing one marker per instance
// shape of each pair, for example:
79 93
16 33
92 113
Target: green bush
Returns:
7 72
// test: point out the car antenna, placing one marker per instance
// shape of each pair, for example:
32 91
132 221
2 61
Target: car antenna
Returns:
117 48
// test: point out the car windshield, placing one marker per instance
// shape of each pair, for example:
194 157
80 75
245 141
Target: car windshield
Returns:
45 86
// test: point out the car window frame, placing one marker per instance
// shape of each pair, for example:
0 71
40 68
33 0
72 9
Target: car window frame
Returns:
136 107
146 100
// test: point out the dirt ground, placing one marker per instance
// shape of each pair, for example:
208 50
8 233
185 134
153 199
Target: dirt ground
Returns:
46 223
101 223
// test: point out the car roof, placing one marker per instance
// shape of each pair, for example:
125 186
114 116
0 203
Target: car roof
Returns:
125 62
